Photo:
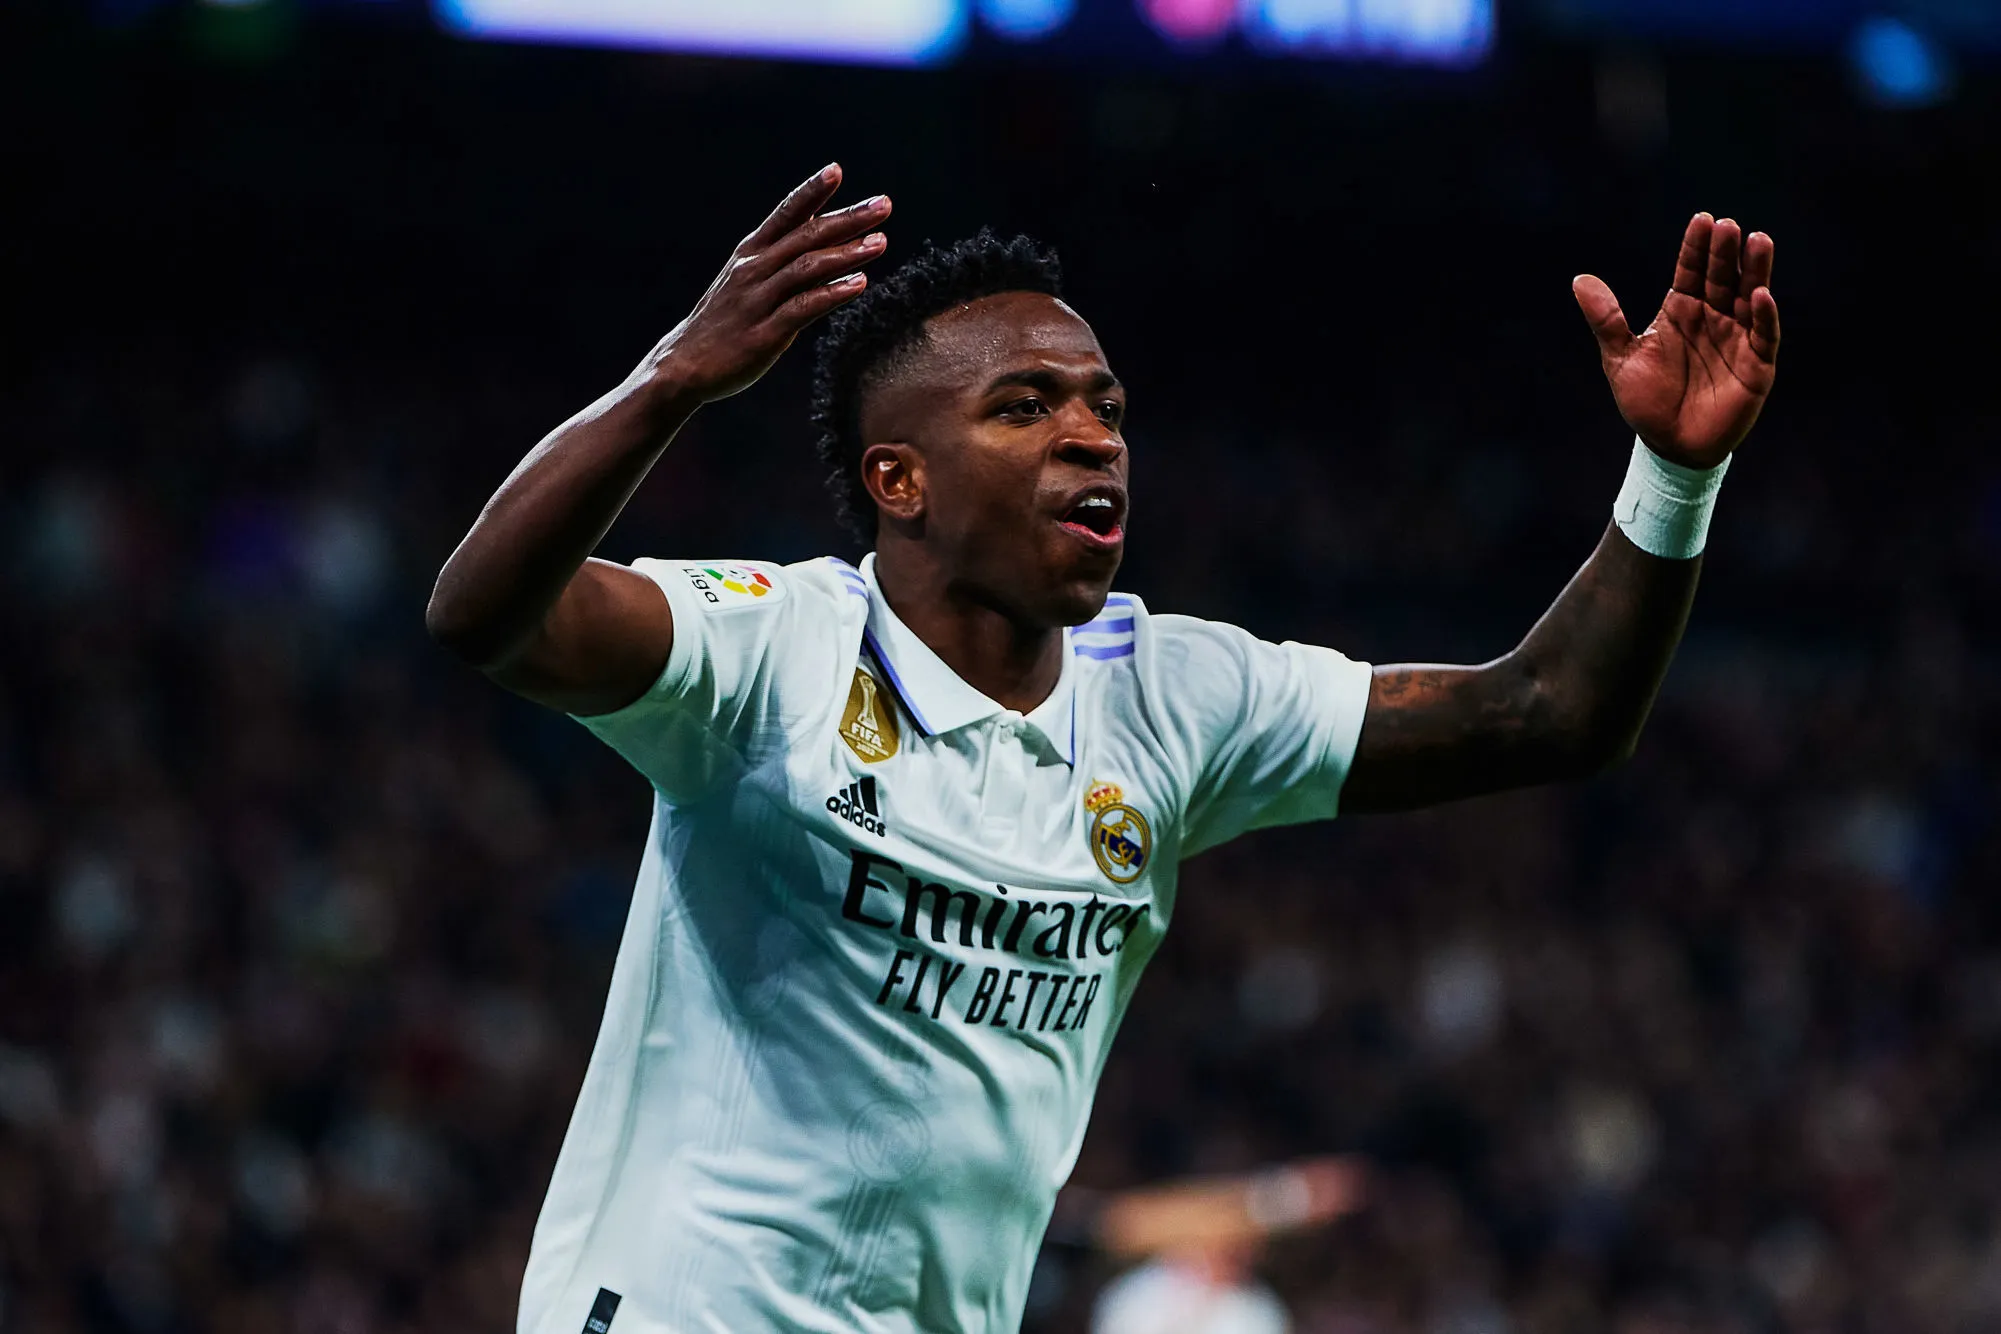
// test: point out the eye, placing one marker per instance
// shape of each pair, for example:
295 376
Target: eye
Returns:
1025 407
1111 412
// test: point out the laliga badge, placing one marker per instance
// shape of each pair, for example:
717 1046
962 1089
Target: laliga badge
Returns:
721 586
1120 839
868 724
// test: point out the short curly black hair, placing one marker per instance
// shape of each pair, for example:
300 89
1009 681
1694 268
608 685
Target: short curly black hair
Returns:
871 333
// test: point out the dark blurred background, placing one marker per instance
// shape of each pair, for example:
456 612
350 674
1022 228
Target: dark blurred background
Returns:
304 930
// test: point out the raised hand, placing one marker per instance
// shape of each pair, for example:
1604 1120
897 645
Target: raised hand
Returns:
799 264
1693 382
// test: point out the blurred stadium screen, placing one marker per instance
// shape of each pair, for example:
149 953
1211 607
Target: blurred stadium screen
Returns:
918 32
887 32
1445 31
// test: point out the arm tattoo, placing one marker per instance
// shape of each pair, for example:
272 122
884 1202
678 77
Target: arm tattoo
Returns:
1568 702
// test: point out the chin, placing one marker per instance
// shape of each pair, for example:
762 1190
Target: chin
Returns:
1081 598
1055 586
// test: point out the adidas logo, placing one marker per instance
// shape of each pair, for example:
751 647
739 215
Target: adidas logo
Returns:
856 804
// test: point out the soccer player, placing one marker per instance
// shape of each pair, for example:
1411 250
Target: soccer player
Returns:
916 824
1198 1241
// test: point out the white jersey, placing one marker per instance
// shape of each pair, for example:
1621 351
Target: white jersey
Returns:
883 932
1160 1297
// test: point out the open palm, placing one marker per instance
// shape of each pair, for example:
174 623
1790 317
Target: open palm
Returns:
1693 382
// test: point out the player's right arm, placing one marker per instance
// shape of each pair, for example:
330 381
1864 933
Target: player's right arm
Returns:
521 599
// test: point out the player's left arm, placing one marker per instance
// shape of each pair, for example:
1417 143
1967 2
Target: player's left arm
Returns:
1572 698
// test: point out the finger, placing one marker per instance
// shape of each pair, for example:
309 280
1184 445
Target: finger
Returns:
1719 286
1757 264
829 229
1765 325
822 266
815 302
795 208
1693 261
1602 313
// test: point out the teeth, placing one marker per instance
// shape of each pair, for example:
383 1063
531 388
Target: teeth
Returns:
1096 502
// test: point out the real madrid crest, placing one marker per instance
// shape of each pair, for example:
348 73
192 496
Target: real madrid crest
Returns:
1121 842
869 724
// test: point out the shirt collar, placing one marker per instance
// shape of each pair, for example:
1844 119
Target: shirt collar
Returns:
938 698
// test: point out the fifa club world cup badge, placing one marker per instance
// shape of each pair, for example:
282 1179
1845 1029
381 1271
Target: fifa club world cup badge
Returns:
1120 839
868 724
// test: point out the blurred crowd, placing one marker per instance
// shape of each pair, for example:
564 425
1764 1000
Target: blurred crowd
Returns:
305 931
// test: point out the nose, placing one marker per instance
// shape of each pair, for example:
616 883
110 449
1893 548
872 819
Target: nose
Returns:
1084 439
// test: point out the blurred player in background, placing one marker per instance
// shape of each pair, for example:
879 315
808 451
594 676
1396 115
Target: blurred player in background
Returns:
1197 1244
917 824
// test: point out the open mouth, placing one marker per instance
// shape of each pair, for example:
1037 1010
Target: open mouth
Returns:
1097 516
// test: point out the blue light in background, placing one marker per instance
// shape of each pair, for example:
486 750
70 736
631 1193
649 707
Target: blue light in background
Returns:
877 32
1898 65
1026 20
1438 31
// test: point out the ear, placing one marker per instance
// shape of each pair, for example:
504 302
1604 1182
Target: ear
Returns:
894 476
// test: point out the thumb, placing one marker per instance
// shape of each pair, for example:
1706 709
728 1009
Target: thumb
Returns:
1602 313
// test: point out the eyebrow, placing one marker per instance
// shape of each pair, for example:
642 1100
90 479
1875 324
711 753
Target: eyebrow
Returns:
1050 382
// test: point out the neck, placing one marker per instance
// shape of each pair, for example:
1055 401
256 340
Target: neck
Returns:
1013 662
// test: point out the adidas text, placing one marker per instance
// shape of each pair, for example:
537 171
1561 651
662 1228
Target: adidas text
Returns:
856 803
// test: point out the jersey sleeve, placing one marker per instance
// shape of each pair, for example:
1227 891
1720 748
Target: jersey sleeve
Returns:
1266 731
754 648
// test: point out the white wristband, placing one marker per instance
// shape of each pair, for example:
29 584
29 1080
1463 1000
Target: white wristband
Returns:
1664 508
